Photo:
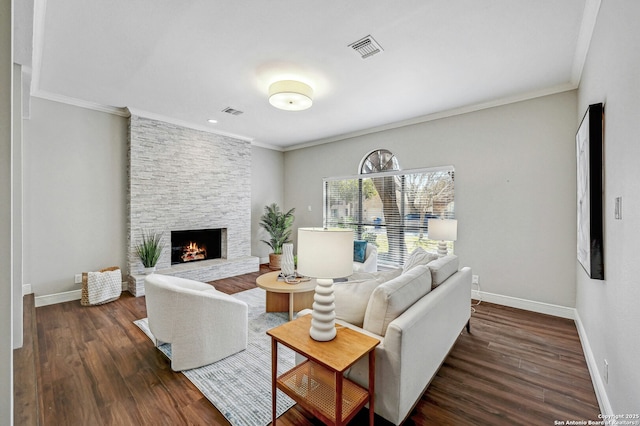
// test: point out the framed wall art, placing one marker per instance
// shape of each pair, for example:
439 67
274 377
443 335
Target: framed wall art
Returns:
589 146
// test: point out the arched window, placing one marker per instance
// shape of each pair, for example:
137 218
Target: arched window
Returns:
379 160
389 207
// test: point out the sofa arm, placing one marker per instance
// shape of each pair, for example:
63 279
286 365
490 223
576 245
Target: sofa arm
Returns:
415 345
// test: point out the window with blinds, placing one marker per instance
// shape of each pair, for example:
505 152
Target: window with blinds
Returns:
391 209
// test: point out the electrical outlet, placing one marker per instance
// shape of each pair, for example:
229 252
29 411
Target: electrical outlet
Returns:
475 279
78 279
605 373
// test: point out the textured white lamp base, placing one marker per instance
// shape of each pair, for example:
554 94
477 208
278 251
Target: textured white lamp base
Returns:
323 324
442 248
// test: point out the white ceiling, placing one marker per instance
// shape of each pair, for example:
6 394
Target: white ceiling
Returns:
185 61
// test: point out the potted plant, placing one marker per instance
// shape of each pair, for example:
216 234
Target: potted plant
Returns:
278 225
149 250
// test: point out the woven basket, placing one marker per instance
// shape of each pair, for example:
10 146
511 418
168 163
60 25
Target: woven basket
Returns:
84 300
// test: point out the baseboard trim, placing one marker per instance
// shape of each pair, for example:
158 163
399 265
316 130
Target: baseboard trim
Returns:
66 296
594 372
563 312
527 305
26 289
52 299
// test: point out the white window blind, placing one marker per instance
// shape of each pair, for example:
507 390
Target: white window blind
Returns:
391 209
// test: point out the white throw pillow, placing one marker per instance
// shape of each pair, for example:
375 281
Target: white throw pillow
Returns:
380 276
384 276
418 257
443 268
351 299
389 300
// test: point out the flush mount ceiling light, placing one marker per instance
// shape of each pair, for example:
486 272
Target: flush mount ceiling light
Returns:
290 95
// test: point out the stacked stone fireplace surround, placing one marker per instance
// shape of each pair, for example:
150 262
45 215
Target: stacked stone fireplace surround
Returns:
181 179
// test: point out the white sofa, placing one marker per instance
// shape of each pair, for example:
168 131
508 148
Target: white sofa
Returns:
416 325
202 324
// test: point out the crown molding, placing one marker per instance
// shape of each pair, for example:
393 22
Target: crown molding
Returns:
187 124
444 114
589 18
122 112
127 112
39 14
267 146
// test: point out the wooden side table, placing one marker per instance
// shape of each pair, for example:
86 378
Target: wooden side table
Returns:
318 384
282 296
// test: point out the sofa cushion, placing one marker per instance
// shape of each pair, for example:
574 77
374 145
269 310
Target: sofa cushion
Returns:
359 250
443 268
418 257
389 300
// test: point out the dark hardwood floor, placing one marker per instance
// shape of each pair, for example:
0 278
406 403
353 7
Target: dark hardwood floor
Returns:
93 366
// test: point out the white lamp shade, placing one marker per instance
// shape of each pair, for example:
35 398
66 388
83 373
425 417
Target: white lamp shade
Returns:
290 95
442 229
325 252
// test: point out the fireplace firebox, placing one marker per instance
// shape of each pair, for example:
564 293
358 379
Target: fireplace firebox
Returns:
195 245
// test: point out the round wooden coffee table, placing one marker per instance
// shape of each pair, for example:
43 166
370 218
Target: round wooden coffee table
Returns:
282 296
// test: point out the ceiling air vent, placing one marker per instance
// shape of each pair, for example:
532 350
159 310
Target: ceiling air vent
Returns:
232 111
366 47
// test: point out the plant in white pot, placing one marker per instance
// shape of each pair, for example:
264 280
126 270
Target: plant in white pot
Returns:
278 225
149 250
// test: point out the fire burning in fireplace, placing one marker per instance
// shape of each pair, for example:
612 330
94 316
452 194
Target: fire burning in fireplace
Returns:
194 245
193 252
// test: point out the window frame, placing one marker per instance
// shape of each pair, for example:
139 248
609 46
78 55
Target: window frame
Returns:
359 223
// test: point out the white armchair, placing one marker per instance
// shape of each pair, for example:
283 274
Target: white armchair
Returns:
370 263
202 324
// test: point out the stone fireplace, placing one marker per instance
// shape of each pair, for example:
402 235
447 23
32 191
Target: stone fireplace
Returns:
181 179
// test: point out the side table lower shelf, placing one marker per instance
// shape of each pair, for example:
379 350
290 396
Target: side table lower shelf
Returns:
318 384
313 387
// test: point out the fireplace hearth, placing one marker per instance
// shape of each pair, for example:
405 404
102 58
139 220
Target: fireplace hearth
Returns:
195 245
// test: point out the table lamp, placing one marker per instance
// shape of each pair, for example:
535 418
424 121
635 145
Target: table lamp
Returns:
324 254
442 230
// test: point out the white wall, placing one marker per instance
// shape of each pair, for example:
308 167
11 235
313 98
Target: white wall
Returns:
609 309
515 189
6 346
75 163
267 177
16 208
